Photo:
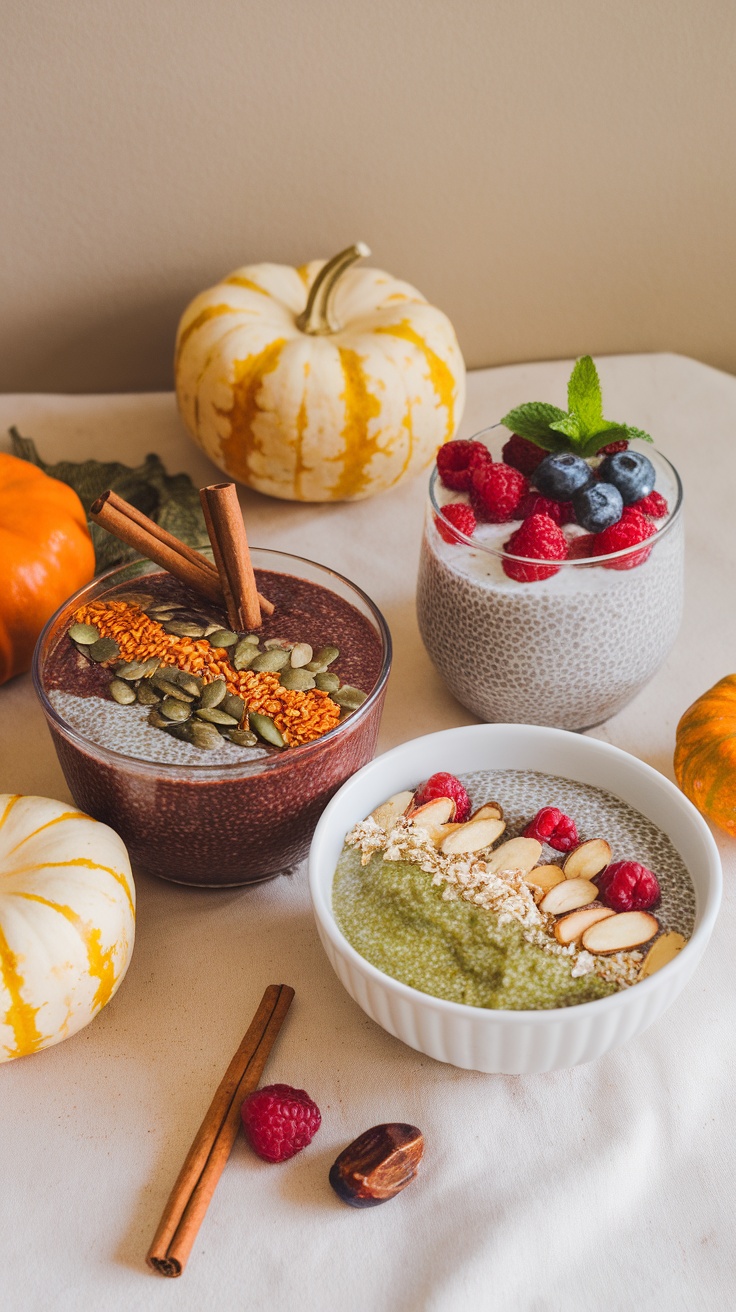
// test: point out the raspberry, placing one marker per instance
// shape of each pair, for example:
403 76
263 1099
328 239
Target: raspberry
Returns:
655 505
628 886
522 454
533 503
551 826
612 448
456 461
279 1121
540 538
445 785
461 516
581 547
632 527
495 492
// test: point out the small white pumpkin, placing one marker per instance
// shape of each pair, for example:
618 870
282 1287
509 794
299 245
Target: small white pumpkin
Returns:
67 921
323 383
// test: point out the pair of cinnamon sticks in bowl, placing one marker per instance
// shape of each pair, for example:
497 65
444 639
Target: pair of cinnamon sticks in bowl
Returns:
230 582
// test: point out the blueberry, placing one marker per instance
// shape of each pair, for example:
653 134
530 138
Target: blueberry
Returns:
598 507
633 474
561 476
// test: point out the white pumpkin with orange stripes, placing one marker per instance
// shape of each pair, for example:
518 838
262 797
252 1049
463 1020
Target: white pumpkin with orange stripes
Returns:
323 383
67 921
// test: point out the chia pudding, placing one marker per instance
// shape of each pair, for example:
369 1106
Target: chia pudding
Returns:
568 650
228 789
427 905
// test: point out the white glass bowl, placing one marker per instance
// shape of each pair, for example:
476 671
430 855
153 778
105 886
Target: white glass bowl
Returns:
513 1042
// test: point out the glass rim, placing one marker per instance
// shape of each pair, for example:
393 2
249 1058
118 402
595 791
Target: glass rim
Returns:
584 561
230 770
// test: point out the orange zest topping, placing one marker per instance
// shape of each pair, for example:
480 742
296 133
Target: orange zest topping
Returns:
299 716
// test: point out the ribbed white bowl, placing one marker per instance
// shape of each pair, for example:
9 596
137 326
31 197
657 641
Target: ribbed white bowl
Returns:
513 1042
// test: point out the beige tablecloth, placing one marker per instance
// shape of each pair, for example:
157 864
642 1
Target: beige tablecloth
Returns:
601 1187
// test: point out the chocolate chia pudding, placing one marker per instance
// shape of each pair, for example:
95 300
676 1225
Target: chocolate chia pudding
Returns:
568 650
520 933
213 772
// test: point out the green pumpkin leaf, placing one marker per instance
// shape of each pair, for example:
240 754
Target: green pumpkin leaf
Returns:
533 421
170 499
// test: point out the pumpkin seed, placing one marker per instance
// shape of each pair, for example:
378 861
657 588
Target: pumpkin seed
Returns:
244 654
212 628
181 731
223 638
142 599
157 720
150 666
270 661
322 658
242 737
277 644
175 710
349 698
105 649
173 691
189 685
213 715
253 638
130 670
297 680
147 696
184 629
122 692
301 654
203 735
264 726
233 705
327 682
213 693
85 634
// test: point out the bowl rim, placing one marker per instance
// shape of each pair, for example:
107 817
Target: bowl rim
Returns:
578 562
236 769
320 891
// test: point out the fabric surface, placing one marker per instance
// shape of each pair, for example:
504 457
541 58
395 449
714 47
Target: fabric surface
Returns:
600 1187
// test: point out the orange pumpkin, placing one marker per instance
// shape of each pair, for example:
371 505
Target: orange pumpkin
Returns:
46 553
705 753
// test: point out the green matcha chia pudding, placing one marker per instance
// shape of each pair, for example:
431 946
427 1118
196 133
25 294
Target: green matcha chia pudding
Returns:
512 890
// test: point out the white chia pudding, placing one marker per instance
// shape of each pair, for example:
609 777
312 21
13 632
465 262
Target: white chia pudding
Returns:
567 651
395 901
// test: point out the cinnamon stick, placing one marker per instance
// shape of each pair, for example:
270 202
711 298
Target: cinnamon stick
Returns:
205 1161
141 533
225 526
148 538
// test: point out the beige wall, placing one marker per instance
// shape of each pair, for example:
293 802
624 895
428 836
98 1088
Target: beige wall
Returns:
558 176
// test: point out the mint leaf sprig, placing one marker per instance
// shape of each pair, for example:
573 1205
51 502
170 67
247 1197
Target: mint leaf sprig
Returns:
581 428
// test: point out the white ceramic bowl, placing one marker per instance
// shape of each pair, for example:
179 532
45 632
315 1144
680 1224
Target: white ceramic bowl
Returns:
513 1042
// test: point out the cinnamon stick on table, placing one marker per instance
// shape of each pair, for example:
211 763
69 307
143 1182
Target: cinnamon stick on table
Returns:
205 1161
224 520
134 528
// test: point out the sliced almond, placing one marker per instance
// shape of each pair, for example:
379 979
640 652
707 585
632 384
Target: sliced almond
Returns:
473 836
628 929
434 813
568 896
545 877
389 812
489 811
660 953
570 928
517 854
588 859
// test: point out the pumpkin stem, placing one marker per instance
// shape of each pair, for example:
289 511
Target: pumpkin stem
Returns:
316 317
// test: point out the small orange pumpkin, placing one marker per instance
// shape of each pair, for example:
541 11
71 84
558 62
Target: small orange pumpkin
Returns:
705 753
46 553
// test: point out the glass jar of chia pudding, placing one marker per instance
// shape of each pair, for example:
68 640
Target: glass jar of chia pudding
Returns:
205 801
568 650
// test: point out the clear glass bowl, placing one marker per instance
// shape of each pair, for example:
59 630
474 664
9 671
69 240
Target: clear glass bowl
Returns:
568 651
225 824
